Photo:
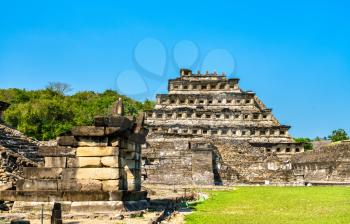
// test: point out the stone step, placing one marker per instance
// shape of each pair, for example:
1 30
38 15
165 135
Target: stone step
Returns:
42 173
51 196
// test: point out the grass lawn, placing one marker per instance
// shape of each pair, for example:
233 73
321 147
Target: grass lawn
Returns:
268 205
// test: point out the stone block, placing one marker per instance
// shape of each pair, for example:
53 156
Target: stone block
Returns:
59 162
88 131
35 207
42 173
86 141
36 185
96 206
67 141
110 161
97 151
123 123
84 162
111 130
52 196
79 185
91 173
56 151
110 185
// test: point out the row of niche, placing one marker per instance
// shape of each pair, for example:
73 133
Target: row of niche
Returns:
237 116
209 86
218 101
222 132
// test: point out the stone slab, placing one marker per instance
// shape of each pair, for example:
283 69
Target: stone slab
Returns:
88 131
79 185
56 151
50 196
67 141
110 185
110 161
91 173
84 162
114 121
90 141
59 162
97 151
36 185
42 173
96 206
35 207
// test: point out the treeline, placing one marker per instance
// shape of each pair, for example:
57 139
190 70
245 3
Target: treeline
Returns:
45 114
336 136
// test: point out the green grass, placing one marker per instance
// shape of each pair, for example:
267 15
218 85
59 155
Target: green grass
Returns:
269 205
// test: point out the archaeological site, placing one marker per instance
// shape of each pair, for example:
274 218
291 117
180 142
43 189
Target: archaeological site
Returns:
206 131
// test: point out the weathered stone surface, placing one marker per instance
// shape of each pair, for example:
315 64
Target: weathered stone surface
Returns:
110 185
42 173
79 185
35 207
67 141
52 162
84 162
51 196
111 130
88 131
97 151
97 206
114 121
91 173
85 141
56 151
37 185
110 161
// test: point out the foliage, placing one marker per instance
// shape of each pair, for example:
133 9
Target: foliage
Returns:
274 205
307 143
338 135
45 114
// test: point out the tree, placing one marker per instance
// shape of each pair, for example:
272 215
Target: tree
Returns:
59 87
45 114
338 135
307 143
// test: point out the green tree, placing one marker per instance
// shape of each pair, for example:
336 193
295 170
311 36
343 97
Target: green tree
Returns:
45 114
307 143
338 135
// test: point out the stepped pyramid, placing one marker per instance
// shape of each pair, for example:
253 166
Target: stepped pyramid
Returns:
200 112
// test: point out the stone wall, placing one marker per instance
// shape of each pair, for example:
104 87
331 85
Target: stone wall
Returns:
329 163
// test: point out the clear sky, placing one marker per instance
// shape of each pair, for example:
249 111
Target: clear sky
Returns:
295 55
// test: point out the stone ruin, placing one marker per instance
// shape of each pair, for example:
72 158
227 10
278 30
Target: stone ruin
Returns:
92 169
207 130
327 165
16 151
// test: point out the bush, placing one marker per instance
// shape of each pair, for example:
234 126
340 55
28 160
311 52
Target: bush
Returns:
307 143
338 135
45 114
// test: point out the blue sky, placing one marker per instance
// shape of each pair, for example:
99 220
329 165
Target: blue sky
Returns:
295 55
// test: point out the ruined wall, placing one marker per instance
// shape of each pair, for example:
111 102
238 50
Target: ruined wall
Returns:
17 151
327 164
91 169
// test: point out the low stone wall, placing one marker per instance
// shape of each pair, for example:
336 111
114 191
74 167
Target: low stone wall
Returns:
327 164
